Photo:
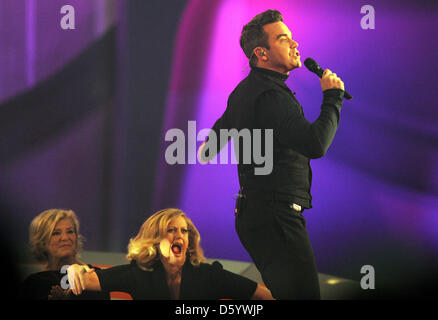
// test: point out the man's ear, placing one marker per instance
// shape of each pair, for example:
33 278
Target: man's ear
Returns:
260 53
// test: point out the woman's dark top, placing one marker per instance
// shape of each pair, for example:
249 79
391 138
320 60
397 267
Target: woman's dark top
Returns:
38 285
203 282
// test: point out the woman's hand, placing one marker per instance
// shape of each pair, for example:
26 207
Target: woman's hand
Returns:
262 293
57 293
166 251
76 277
172 264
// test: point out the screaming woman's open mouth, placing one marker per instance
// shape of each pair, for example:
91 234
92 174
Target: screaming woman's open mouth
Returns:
176 248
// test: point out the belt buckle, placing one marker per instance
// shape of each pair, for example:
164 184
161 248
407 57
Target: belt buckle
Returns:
296 207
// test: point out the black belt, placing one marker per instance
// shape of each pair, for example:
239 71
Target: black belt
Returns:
268 196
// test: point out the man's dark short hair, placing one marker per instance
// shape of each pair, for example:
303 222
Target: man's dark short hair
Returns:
254 36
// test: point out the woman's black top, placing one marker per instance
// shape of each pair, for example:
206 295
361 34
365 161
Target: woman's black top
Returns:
38 285
203 282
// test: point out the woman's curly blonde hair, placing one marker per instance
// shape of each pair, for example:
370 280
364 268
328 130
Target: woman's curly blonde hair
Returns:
144 248
41 229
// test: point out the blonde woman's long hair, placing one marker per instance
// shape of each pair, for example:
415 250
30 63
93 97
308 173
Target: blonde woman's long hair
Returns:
41 229
144 248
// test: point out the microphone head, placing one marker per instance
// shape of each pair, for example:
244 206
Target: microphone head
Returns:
311 64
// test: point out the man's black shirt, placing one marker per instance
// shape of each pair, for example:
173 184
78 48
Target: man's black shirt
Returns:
263 101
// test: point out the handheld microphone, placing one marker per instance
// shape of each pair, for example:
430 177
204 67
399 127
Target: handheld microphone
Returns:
314 67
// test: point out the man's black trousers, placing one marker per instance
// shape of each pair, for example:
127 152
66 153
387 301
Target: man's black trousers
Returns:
275 236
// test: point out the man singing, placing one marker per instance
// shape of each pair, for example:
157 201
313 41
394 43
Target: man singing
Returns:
269 220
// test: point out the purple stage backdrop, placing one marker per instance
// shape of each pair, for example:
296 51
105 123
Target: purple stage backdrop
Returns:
63 168
375 192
